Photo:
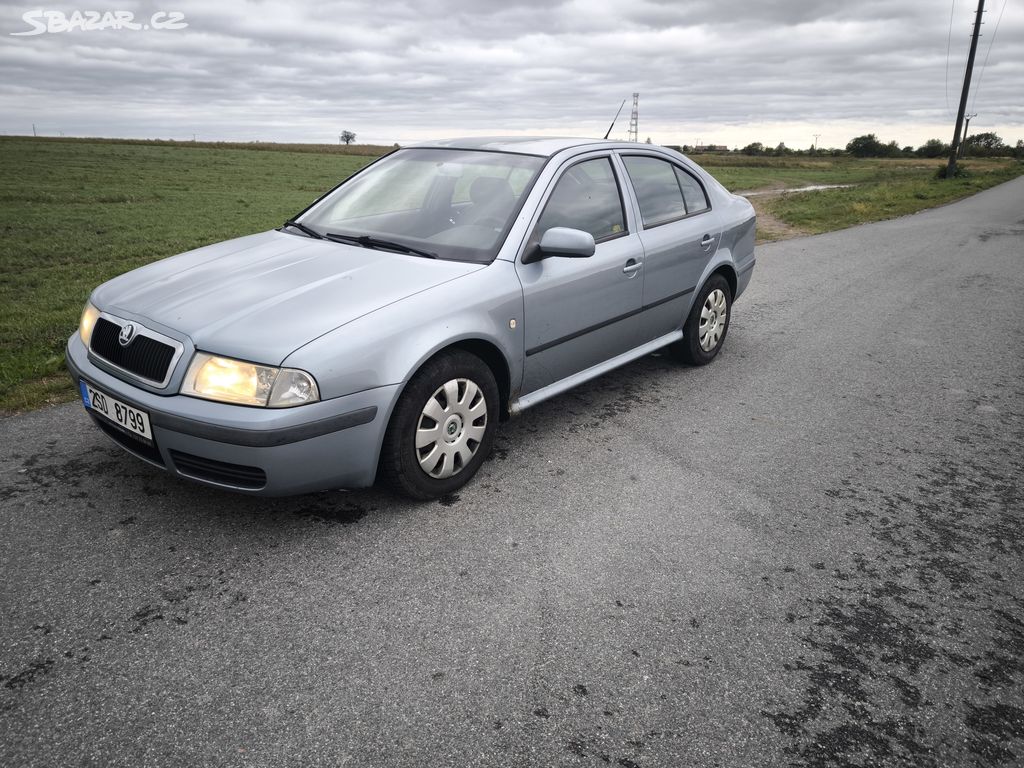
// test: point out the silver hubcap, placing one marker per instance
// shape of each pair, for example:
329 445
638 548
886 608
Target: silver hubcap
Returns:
712 320
451 427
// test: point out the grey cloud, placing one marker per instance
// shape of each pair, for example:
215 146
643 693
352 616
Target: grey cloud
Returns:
399 70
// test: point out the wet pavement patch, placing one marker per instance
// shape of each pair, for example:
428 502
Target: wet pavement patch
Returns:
922 616
331 512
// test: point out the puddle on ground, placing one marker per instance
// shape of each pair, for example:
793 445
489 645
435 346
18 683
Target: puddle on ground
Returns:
810 188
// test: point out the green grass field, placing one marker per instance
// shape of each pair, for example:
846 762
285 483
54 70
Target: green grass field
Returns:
907 190
882 189
77 212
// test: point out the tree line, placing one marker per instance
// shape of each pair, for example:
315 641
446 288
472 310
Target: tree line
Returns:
976 145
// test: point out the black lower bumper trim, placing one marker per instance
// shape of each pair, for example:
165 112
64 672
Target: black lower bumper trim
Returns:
220 472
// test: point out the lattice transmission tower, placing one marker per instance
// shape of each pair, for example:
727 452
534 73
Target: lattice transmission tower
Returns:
634 130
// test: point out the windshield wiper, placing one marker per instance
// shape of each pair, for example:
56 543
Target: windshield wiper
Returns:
375 242
303 228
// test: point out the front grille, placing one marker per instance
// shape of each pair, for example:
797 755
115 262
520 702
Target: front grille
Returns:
144 356
235 475
129 442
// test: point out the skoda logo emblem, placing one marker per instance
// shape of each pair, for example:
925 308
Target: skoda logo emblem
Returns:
126 335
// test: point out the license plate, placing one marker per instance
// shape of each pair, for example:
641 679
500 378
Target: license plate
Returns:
130 419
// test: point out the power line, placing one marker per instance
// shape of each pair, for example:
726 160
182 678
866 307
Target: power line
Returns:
974 99
949 42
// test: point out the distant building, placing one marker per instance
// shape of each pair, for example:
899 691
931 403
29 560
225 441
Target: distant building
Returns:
710 148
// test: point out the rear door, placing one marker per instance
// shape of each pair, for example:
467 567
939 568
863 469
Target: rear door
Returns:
678 235
582 311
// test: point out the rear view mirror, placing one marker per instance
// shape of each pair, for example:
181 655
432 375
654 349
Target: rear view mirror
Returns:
562 241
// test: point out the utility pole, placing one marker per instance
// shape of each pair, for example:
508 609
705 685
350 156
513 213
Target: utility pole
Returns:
33 129
955 146
967 125
816 137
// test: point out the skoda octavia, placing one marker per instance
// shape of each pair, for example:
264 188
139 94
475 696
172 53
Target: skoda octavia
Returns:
384 331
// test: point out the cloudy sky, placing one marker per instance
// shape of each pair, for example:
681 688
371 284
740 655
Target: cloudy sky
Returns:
710 71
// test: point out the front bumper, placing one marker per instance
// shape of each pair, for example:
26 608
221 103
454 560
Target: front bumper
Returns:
261 451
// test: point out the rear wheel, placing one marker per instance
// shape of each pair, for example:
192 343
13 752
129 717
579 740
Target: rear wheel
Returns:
708 322
442 428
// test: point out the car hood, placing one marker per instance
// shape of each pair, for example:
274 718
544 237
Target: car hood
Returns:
260 297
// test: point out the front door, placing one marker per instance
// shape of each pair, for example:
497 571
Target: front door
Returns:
582 311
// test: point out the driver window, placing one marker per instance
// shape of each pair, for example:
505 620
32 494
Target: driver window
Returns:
586 197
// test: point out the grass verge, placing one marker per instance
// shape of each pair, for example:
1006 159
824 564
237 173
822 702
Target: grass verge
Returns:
831 209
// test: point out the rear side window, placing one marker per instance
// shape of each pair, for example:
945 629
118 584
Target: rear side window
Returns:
657 189
586 197
664 191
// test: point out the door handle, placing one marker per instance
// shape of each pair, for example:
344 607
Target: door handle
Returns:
632 267
706 242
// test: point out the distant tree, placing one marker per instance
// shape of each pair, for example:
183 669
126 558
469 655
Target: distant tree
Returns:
866 146
347 136
933 148
756 148
781 150
1018 151
648 141
985 145
907 151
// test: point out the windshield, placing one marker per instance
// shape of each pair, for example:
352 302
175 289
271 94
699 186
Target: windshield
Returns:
457 204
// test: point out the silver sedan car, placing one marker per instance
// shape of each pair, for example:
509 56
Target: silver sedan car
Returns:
383 332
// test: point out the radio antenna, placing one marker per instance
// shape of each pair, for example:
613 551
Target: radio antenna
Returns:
609 131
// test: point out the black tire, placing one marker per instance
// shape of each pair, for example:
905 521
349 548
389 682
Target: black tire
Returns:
689 348
400 461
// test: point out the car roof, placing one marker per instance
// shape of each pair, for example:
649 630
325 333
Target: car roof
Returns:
543 146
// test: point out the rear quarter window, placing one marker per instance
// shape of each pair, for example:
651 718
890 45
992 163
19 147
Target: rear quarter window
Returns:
694 196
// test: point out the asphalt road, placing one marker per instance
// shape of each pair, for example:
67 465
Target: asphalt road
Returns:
808 553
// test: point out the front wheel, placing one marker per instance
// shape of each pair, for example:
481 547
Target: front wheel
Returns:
442 428
705 328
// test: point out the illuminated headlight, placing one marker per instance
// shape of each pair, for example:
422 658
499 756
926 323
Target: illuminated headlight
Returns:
235 381
89 317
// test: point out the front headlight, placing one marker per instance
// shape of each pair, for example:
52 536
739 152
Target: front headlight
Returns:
235 381
88 321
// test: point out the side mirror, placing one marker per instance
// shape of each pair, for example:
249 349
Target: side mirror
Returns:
572 243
